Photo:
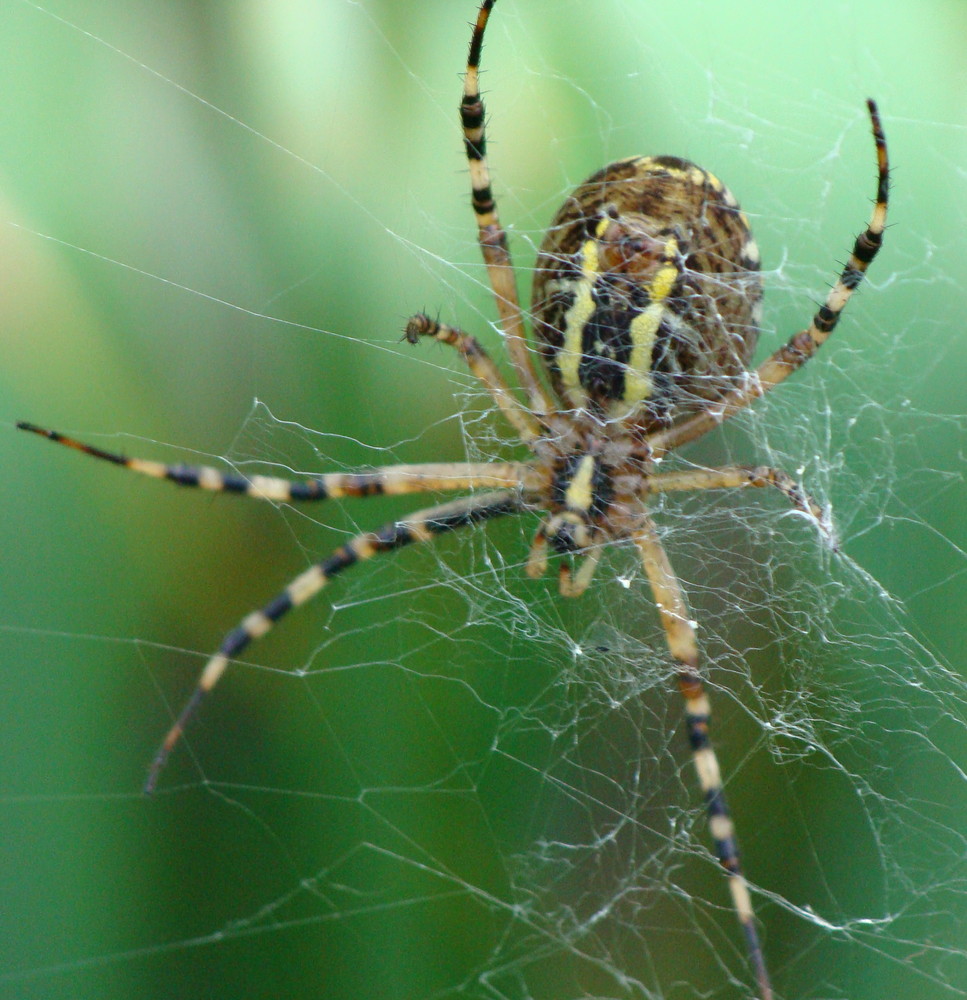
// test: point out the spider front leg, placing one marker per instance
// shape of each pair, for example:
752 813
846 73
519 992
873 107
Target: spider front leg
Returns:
490 234
422 526
680 635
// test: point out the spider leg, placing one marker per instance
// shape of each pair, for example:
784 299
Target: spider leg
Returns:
388 480
737 477
680 635
573 583
421 526
493 238
482 367
537 557
803 345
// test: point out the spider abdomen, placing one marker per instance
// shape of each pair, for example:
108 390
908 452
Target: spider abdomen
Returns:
647 291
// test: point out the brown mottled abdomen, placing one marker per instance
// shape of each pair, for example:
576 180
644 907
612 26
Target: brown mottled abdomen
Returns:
647 292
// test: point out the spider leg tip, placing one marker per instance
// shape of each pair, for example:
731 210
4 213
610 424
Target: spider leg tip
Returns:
154 771
159 761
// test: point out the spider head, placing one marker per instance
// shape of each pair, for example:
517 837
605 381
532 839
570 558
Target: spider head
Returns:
580 493
569 532
573 536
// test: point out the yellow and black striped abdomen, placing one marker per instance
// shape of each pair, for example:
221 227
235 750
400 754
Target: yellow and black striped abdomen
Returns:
647 292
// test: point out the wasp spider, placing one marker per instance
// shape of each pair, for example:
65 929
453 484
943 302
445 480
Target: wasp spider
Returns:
645 309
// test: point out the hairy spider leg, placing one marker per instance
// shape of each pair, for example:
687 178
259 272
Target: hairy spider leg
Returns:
491 236
680 635
481 366
736 477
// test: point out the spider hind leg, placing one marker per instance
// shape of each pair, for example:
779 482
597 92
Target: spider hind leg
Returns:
422 526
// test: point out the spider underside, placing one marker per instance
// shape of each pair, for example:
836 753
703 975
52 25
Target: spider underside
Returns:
646 309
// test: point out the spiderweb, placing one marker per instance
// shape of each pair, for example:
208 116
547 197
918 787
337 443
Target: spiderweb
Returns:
441 779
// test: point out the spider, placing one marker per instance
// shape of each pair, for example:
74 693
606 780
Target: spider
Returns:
645 313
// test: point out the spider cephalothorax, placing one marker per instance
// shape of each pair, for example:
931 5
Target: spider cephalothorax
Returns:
646 309
584 487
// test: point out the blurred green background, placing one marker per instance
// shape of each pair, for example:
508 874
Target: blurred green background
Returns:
215 220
